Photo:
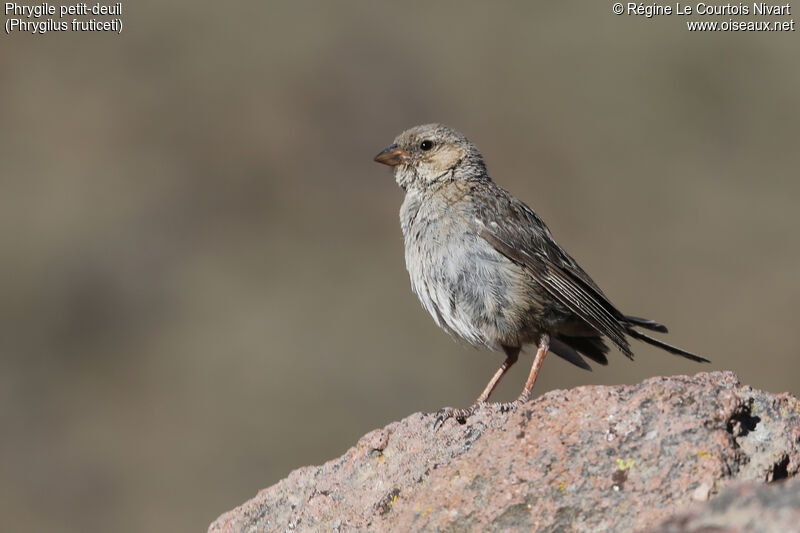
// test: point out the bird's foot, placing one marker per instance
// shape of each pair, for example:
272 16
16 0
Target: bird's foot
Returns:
509 406
460 415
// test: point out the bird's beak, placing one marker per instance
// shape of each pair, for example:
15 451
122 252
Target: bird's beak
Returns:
392 156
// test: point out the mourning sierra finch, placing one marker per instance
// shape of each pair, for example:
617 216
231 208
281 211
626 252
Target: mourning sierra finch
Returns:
486 268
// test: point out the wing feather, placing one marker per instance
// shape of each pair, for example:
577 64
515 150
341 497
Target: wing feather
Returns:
524 238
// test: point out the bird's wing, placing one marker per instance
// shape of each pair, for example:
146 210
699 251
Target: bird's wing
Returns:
522 236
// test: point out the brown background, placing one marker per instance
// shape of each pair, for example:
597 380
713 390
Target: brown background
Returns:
202 271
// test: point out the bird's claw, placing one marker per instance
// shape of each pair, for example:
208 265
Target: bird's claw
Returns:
460 415
509 406
448 412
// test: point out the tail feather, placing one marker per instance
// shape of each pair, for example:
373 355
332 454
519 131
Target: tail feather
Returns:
568 353
592 347
646 323
664 346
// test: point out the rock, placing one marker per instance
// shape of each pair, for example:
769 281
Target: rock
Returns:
751 507
620 458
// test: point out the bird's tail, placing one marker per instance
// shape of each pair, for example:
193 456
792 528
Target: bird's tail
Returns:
655 342
646 323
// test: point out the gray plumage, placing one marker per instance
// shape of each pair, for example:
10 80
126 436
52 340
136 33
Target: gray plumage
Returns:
486 267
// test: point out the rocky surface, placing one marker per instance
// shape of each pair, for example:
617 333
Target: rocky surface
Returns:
623 458
748 507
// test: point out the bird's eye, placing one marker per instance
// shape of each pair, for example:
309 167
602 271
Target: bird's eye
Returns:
426 145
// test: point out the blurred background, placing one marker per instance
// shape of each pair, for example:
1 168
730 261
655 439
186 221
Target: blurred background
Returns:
202 274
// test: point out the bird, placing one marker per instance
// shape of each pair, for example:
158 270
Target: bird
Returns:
488 270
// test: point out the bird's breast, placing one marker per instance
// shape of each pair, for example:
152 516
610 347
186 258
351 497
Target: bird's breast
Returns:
471 291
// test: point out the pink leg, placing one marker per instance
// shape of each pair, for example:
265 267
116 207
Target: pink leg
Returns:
496 379
544 345
462 414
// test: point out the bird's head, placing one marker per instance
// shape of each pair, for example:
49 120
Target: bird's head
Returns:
432 153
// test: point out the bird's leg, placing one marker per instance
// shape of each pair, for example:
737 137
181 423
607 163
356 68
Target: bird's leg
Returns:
462 414
544 345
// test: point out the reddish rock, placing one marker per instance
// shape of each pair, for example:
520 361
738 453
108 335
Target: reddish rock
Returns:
621 458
